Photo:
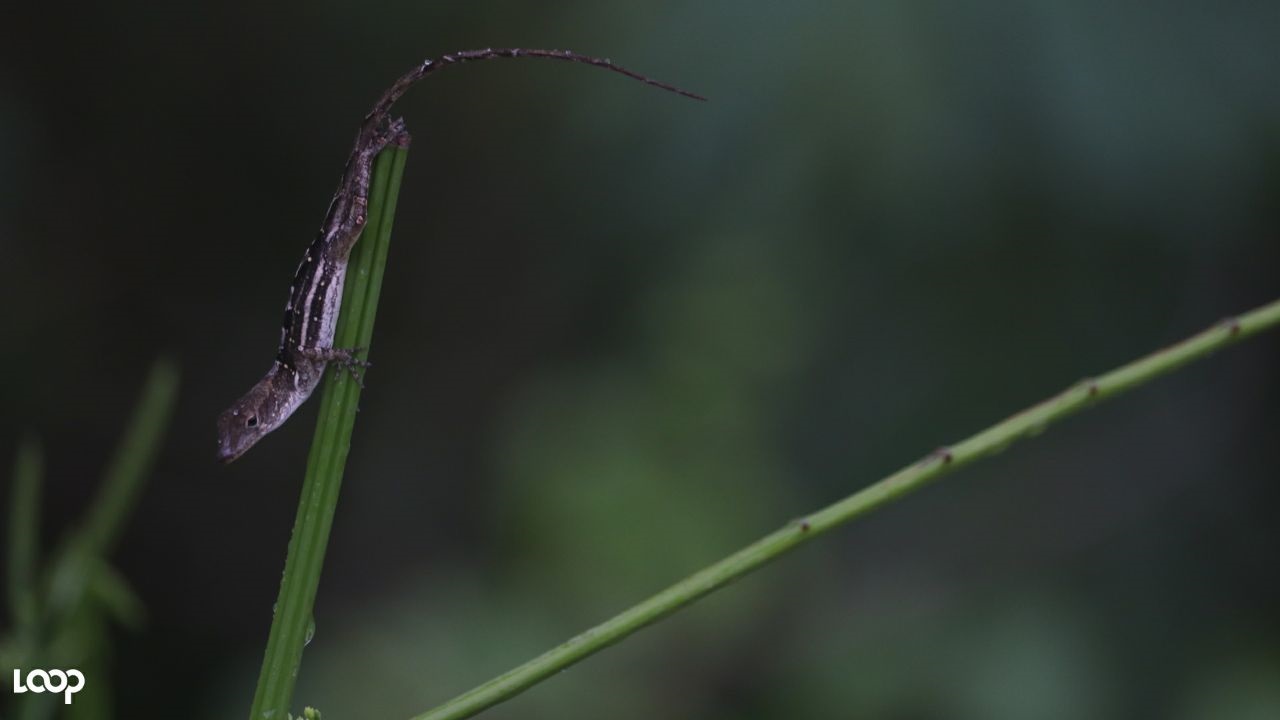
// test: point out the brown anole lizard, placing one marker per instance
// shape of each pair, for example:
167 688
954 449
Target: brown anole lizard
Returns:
306 336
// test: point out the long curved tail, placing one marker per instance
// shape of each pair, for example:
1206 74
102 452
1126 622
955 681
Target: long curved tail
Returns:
402 85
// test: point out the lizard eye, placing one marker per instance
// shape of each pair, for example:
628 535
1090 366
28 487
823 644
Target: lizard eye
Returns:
251 422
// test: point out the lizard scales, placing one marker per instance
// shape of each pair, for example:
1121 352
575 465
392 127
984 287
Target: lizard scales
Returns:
311 314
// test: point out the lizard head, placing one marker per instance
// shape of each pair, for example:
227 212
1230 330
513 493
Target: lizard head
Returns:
248 420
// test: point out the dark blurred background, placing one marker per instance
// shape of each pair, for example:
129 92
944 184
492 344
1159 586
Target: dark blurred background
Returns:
623 334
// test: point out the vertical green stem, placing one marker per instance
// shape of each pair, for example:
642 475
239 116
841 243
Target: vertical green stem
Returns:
332 440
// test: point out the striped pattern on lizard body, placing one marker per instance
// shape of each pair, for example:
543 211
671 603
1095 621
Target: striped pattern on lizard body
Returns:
311 314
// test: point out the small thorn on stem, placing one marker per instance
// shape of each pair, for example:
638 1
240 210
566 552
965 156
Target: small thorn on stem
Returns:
1232 324
942 455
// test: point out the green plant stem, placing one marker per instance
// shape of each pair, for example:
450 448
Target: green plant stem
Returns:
938 463
290 626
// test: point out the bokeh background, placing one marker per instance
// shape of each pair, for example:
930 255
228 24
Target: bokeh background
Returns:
623 334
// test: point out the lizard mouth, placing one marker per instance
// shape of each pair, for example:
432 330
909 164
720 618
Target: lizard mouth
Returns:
226 454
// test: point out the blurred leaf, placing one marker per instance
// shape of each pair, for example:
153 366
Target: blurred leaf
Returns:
133 459
1244 685
24 535
65 624
116 597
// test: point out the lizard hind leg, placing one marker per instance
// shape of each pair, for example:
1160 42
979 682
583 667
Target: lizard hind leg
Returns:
392 132
352 201
399 133
402 137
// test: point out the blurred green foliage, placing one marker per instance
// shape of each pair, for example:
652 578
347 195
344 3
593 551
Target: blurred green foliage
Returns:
61 609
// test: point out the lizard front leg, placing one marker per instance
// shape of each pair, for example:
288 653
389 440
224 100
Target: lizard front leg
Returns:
345 358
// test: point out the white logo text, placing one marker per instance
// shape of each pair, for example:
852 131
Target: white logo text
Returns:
68 683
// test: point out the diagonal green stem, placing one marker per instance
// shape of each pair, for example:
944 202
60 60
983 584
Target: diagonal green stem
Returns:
291 624
942 461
